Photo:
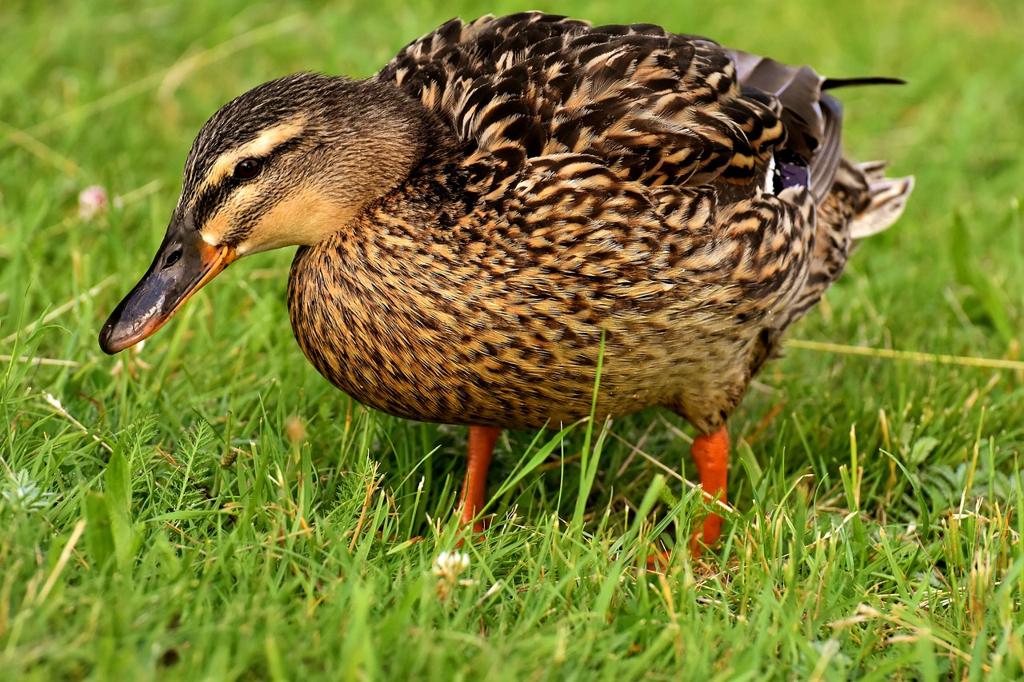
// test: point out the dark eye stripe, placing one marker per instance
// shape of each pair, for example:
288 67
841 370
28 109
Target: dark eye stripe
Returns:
209 201
212 198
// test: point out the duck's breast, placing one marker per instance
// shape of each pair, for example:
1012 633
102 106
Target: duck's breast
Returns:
410 332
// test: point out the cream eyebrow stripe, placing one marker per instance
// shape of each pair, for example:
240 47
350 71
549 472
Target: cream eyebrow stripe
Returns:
266 142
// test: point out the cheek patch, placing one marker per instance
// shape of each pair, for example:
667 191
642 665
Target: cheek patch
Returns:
304 218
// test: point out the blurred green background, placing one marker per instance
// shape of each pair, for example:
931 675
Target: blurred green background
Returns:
210 509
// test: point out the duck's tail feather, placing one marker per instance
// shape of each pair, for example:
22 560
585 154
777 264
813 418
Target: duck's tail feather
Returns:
833 83
888 198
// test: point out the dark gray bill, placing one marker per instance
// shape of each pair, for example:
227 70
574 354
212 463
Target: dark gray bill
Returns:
183 265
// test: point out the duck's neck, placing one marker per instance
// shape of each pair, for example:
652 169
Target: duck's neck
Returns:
377 140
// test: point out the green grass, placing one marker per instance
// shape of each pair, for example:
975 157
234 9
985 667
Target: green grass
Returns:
211 509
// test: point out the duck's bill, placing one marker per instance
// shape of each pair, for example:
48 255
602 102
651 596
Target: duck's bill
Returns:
182 267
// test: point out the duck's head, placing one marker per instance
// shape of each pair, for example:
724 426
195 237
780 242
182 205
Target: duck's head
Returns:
287 163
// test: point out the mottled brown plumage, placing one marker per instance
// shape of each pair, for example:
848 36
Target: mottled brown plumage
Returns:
509 196
605 180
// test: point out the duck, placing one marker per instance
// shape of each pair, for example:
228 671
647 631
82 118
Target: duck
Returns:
526 221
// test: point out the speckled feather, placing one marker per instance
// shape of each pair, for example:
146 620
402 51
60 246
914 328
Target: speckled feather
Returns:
583 184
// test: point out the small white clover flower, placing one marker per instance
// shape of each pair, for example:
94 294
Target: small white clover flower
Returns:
448 565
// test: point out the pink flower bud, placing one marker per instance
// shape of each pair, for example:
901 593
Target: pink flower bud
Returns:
92 201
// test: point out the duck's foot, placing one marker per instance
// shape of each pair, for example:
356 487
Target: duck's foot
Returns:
474 485
711 453
658 561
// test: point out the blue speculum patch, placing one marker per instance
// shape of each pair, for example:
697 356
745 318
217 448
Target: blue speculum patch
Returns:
790 171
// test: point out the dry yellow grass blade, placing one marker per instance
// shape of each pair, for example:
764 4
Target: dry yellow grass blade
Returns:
59 310
164 79
40 150
58 407
178 72
39 362
906 355
62 560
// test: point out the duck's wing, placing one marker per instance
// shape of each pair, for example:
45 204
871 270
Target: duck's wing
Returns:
656 107
626 137
812 117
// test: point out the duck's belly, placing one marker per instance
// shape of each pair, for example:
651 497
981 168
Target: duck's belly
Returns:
515 362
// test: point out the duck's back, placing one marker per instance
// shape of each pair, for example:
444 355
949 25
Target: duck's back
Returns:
655 107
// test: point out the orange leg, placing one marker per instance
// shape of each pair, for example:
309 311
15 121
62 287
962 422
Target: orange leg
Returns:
474 486
711 453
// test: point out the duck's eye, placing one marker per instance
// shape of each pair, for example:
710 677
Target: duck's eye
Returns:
247 169
172 258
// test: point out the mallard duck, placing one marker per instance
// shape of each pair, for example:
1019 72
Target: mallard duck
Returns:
512 202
